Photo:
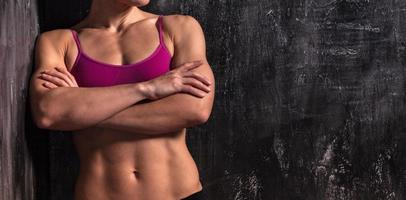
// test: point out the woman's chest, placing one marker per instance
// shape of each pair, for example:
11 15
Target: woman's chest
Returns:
93 71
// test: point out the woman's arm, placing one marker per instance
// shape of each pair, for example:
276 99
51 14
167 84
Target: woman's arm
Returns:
179 110
72 108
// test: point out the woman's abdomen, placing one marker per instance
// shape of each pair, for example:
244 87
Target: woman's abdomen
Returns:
120 166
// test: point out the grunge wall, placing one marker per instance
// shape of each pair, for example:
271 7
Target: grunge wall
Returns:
310 100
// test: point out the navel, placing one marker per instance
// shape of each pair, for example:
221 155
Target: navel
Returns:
136 174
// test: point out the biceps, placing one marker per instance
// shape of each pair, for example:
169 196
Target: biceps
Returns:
191 44
46 57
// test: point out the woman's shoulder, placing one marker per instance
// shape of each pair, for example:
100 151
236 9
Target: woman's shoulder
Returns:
58 37
178 24
55 33
179 20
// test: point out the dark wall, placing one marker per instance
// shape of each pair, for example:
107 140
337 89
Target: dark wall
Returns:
310 100
18 28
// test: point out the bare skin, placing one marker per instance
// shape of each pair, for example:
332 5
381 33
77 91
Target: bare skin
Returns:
128 149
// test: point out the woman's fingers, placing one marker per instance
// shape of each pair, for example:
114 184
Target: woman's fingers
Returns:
63 75
53 79
192 90
70 76
198 77
49 85
196 83
193 82
57 75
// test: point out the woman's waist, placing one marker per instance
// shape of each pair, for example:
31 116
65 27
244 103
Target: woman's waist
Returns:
177 169
145 184
126 166
139 158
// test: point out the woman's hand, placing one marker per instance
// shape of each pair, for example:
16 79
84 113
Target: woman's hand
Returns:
180 79
58 78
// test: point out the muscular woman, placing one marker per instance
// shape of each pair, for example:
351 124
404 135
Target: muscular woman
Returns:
127 83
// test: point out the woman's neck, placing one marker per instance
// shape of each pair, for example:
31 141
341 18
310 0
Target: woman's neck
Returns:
112 15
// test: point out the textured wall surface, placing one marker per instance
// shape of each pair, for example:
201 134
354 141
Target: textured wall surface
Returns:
310 100
18 29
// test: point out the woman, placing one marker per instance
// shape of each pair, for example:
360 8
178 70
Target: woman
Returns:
127 83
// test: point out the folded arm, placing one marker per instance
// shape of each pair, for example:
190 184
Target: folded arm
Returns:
72 108
180 110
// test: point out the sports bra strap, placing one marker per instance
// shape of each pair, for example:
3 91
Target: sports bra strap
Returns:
75 36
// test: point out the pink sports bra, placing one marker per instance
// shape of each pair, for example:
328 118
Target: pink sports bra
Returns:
92 73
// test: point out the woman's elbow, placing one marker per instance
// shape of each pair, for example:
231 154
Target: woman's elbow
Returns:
49 123
42 115
202 115
41 120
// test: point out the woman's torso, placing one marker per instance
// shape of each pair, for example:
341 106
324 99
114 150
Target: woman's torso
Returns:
119 165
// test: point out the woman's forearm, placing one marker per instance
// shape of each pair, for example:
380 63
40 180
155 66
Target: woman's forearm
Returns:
161 116
165 115
72 108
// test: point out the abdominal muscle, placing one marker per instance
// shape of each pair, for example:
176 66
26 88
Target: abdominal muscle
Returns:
127 166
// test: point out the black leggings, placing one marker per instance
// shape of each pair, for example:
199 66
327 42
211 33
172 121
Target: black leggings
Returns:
195 196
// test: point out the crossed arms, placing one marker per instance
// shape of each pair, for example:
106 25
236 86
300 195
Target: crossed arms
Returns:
113 107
